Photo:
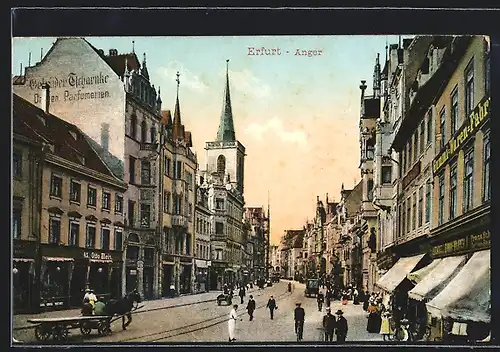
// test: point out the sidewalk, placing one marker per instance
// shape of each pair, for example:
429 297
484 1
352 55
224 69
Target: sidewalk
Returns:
20 321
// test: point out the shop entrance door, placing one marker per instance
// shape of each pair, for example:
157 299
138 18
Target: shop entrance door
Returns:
167 279
116 283
148 283
78 281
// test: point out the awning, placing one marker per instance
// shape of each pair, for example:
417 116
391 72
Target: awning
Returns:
417 276
437 279
398 272
469 281
26 260
58 259
101 260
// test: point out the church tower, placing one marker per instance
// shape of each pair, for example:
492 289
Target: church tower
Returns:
226 155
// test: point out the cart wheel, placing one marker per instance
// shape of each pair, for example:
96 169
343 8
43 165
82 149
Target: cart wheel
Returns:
85 329
60 333
103 328
42 333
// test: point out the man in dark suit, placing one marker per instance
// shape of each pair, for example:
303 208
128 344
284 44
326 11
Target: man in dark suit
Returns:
341 327
329 323
251 307
271 304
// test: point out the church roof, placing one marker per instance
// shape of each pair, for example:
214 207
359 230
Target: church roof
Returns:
226 127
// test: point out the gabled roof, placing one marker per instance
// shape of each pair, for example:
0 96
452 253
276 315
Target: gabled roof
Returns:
117 62
68 140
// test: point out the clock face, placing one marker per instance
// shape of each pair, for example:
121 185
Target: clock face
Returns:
228 187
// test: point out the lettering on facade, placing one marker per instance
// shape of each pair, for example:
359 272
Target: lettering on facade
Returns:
72 81
470 127
412 174
469 243
97 256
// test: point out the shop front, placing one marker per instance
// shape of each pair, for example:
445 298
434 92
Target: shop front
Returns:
103 272
168 274
217 276
23 275
202 280
186 266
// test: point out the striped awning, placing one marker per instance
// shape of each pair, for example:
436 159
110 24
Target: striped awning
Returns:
26 260
58 259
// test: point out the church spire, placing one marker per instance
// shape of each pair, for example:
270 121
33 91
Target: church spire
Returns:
376 77
177 132
226 127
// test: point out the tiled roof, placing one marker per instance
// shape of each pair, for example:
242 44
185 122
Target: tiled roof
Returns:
166 117
68 140
353 199
117 62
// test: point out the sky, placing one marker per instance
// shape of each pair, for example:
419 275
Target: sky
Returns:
296 115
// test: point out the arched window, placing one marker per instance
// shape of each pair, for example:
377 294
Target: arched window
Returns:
153 134
143 131
221 164
133 126
133 237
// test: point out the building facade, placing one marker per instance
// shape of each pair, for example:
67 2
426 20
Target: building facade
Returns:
224 175
203 231
257 220
68 214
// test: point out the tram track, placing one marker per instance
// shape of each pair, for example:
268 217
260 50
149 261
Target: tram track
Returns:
193 327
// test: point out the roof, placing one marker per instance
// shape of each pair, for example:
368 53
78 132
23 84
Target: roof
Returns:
18 80
226 126
117 62
69 141
166 117
353 199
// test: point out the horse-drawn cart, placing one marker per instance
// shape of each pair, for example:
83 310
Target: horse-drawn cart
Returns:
59 328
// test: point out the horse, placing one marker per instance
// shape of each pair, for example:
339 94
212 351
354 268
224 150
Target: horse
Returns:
123 307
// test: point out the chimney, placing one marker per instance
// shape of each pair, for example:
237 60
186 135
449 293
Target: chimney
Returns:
105 136
46 98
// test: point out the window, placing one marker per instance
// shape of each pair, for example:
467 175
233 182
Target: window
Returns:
422 136
153 134
453 191
469 89
442 126
420 206
441 200
118 203
403 219
468 179
430 122
75 192
106 200
145 215
370 189
166 166
131 213
486 167
414 215
487 82
105 238
219 203
16 223
17 164
145 172
133 126
55 186
90 238
415 149
410 153
91 196
370 151
386 174
118 240
178 170
131 169
428 202
143 132
221 164
408 215
74 232
219 228
54 230
403 159
454 111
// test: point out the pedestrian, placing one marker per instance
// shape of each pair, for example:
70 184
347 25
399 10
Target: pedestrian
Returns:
355 295
299 316
87 309
341 326
87 295
241 293
92 297
99 307
385 327
251 307
271 304
329 323
231 323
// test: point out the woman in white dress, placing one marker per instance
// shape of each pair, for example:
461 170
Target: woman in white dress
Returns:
231 323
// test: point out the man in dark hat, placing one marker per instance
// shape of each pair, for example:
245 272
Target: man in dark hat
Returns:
271 304
341 327
329 324
251 307
299 316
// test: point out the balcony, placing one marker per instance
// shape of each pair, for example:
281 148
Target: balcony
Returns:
179 220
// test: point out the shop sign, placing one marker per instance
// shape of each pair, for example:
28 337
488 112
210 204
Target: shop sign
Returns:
412 174
24 249
464 134
469 243
97 256
133 272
